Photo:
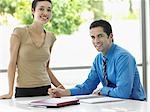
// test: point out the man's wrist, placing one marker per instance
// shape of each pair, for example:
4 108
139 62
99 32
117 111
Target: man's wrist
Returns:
68 92
100 92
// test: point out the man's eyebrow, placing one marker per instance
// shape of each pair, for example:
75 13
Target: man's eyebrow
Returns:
100 34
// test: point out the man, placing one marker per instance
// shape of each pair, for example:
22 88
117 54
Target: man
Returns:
114 67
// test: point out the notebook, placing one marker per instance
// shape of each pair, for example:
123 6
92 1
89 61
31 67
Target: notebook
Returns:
54 102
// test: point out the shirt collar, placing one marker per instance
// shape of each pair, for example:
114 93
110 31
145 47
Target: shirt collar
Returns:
110 52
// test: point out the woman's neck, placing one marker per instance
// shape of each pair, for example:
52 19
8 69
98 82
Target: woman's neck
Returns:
37 28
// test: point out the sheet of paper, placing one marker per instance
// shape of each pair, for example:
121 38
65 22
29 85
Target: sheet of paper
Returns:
100 100
85 96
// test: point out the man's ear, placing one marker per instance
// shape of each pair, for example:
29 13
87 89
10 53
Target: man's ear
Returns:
111 35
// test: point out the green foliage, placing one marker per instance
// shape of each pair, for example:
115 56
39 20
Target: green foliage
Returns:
7 6
66 15
23 12
131 16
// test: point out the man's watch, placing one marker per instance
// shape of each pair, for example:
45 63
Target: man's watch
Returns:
99 92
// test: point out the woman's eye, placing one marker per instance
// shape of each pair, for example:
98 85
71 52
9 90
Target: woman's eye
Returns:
41 9
49 10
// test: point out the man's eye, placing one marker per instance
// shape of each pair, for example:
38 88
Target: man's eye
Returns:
100 35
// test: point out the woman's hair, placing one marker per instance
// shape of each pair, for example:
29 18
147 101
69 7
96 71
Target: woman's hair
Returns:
34 3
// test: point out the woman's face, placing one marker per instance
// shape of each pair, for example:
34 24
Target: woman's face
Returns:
42 12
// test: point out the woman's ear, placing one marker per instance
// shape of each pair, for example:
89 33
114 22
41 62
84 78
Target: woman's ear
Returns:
32 10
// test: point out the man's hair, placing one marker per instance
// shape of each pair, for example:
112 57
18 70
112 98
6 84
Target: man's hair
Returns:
34 3
104 24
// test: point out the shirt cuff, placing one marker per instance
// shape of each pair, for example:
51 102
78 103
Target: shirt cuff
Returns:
74 91
105 91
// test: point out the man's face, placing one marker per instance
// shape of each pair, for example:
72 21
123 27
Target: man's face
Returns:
101 41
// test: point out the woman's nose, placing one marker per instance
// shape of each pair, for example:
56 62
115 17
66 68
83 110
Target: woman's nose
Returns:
45 12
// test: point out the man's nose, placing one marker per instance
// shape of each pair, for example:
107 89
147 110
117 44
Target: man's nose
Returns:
96 39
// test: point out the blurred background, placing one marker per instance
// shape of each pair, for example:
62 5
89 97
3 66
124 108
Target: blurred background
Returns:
73 52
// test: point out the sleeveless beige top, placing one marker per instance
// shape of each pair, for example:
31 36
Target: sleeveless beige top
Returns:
32 60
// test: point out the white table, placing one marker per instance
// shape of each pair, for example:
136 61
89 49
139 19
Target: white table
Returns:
21 105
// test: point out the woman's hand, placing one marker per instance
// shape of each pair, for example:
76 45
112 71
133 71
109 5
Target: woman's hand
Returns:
6 96
58 92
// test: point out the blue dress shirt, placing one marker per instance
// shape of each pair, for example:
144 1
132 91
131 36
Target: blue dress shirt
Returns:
122 73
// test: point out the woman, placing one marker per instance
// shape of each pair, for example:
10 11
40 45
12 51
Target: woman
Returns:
30 48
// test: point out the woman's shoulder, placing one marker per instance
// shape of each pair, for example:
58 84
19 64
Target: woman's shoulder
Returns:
20 29
51 35
19 32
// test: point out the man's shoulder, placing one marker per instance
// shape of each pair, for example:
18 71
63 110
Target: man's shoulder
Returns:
120 51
